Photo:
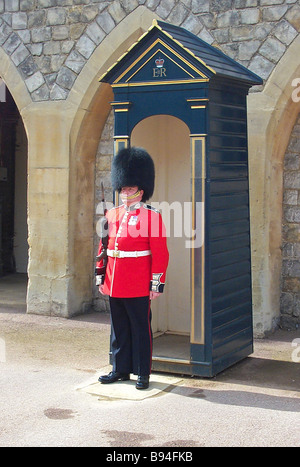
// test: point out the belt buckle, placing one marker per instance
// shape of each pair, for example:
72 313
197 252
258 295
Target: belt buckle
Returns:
116 254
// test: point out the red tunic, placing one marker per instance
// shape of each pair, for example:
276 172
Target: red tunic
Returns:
137 228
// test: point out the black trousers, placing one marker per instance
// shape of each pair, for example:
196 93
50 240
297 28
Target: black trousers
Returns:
131 335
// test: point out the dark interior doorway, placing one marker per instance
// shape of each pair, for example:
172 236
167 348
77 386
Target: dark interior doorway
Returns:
13 188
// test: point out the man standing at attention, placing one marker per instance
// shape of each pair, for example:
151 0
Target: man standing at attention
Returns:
137 260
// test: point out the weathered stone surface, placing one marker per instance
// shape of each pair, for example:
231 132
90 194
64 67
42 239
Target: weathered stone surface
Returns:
290 288
272 49
35 81
83 24
66 78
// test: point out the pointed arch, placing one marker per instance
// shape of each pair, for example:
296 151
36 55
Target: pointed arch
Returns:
92 101
272 115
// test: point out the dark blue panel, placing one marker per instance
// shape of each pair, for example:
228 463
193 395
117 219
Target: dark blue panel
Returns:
227 141
231 214
231 286
229 330
232 256
230 201
229 243
230 271
229 302
228 156
233 343
228 186
230 314
225 171
230 229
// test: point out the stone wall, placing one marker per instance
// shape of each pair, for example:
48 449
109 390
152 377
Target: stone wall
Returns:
290 296
51 53
50 41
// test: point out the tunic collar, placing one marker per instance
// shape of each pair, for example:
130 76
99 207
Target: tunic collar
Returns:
133 207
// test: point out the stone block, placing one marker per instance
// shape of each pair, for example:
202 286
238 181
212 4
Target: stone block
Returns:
51 47
60 33
229 18
248 49
24 35
75 61
250 16
165 7
20 54
27 5
292 162
290 197
116 11
89 13
178 14
292 214
11 5
106 22
19 21
41 94
274 13
129 5
66 78
12 43
95 33
242 33
56 62
291 180
56 16
58 93
291 233
285 32
5 31
261 66
272 49
293 16
36 19
41 34
28 67
291 284
85 46
35 81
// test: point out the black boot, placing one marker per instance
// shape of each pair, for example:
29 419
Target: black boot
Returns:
113 376
142 382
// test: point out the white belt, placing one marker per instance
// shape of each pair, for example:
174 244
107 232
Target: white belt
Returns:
127 254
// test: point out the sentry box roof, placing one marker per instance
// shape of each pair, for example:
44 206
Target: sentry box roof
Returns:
188 59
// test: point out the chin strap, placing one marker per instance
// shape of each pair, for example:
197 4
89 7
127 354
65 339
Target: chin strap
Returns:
130 197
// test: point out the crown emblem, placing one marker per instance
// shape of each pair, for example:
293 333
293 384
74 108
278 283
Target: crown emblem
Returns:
159 62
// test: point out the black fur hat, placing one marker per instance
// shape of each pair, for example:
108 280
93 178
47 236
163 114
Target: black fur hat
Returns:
133 167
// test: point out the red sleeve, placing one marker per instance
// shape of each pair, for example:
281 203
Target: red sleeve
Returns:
159 251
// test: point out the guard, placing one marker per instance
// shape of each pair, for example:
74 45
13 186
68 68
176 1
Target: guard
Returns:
132 263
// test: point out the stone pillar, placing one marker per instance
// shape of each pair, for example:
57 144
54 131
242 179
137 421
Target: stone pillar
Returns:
48 127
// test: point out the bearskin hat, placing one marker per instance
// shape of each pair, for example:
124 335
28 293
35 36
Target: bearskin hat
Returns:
133 167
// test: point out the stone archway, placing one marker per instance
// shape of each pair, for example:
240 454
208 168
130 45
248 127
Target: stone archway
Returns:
272 115
91 115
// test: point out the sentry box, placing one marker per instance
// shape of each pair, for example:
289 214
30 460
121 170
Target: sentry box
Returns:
185 102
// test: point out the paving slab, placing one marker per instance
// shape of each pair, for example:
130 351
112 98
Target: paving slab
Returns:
126 390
